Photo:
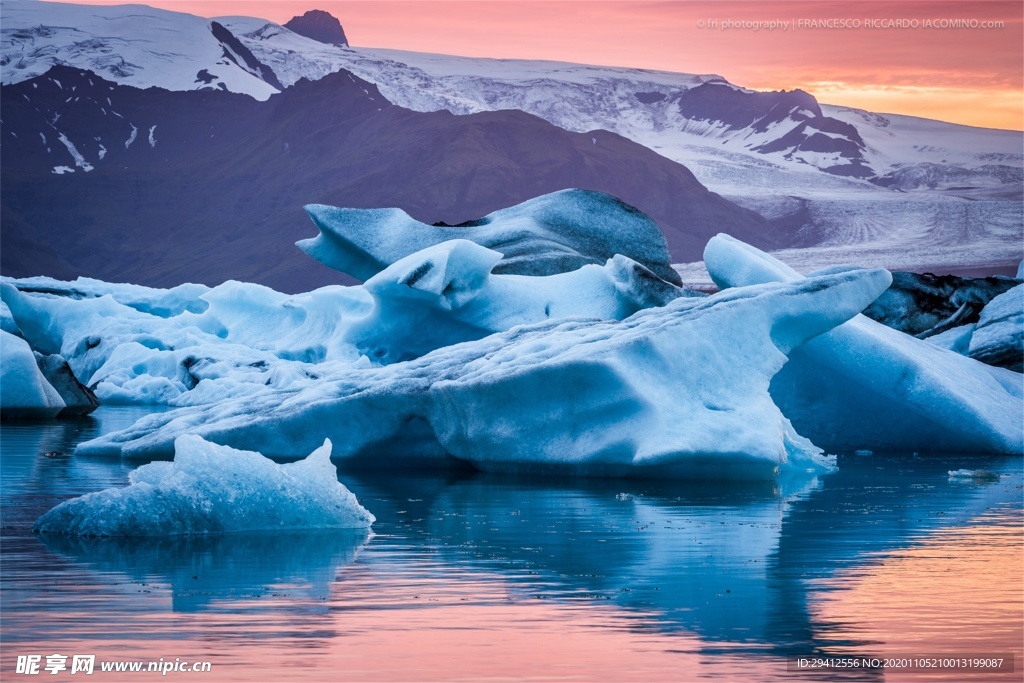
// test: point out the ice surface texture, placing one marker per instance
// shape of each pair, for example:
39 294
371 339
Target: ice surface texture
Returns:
193 345
677 391
864 385
214 489
24 392
998 338
553 233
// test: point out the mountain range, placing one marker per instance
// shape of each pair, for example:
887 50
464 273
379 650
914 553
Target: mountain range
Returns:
157 146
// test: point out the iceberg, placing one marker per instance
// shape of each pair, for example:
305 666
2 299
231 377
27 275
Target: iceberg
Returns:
998 338
448 294
679 391
194 345
866 385
210 489
924 305
553 233
79 400
24 391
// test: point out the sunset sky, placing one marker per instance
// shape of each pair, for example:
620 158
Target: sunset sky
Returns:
971 74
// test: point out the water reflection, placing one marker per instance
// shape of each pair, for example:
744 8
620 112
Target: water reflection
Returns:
732 565
725 578
216 572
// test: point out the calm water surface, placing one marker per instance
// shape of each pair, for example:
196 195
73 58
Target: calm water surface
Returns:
472 577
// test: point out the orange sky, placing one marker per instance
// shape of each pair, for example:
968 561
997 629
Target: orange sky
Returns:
972 75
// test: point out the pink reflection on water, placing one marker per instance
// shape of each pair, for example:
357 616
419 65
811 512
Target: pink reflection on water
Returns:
959 592
392 629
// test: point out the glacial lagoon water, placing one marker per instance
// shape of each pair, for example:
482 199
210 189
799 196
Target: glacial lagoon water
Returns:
473 577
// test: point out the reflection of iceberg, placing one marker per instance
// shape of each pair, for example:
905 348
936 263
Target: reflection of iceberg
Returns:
217 572
731 564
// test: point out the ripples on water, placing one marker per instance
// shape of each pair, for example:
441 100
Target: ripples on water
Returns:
473 576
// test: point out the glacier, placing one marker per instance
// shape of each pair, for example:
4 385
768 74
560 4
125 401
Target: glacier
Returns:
210 489
676 391
867 385
554 233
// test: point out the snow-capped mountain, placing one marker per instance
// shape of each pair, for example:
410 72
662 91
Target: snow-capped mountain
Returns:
162 187
839 184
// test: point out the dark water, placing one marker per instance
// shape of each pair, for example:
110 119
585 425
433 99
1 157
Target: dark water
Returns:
473 577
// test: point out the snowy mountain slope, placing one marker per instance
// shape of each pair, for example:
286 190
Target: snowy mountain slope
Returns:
896 188
889 183
129 44
789 128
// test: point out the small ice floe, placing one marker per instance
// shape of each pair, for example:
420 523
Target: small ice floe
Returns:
212 489
864 452
976 475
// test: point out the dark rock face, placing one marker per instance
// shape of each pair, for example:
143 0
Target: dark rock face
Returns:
738 109
79 398
205 186
924 304
723 104
320 26
242 56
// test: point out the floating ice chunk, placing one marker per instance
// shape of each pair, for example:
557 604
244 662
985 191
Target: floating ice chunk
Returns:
24 392
553 233
866 385
679 391
979 475
214 489
446 294
189 346
998 338
193 344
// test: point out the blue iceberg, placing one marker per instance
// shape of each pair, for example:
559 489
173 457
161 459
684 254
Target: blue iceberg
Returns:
678 391
865 385
211 489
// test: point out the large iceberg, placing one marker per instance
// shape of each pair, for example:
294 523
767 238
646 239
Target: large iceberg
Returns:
448 293
214 489
678 391
864 385
553 233
194 345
